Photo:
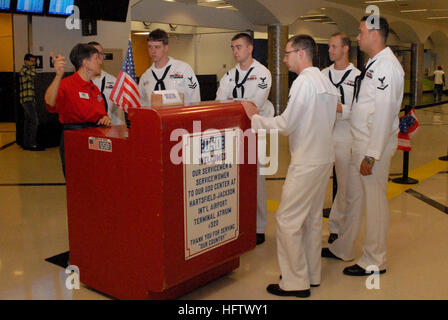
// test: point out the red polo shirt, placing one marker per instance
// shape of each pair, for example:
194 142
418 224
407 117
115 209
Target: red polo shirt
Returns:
78 101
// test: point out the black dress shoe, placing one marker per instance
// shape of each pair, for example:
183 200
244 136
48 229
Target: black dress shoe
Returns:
311 285
326 253
276 290
260 238
332 237
357 271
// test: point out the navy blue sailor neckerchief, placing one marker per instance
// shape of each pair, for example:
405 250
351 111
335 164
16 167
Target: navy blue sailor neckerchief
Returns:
160 85
359 79
240 85
339 84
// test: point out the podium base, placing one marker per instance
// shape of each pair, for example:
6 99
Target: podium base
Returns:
198 281
445 158
403 180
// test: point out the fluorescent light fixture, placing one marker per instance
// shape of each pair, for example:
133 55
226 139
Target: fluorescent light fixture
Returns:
436 18
313 16
378 1
312 20
141 33
222 7
414 10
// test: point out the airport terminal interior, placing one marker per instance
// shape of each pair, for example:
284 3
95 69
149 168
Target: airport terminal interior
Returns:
33 197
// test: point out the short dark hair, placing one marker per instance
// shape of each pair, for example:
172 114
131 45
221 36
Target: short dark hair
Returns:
384 27
28 57
94 43
306 43
244 35
346 41
158 35
80 52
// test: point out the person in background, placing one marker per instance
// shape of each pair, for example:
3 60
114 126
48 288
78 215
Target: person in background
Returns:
105 83
249 80
439 83
27 77
167 73
342 74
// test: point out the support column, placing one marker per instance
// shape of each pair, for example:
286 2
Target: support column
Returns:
30 34
417 56
277 39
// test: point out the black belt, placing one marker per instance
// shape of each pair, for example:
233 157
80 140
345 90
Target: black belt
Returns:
77 126
103 84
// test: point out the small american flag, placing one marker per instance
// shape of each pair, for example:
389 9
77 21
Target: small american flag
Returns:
125 93
408 128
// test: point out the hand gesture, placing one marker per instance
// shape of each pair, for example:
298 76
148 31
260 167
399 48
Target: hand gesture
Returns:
105 121
250 108
59 64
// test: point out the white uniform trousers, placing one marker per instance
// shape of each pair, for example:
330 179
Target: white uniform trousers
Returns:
342 164
299 225
262 206
369 193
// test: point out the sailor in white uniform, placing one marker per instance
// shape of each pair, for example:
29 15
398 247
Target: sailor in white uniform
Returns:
167 73
374 123
342 74
249 80
105 83
308 120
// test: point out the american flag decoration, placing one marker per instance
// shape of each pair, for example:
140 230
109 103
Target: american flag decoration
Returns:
125 93
408 128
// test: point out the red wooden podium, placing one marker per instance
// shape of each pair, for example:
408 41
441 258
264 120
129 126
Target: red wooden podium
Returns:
135 231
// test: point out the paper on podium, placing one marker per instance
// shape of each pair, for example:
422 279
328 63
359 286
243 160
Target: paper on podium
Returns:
166 98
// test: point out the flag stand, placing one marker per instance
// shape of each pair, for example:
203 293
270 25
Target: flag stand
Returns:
405 179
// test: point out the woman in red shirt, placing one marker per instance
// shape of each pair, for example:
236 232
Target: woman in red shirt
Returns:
76 99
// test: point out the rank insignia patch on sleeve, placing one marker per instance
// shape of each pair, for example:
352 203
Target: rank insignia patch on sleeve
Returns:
383 85
192 85
263 85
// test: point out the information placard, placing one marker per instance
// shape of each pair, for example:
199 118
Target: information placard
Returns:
211 190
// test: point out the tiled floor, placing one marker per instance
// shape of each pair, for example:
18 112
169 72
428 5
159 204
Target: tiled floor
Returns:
33 227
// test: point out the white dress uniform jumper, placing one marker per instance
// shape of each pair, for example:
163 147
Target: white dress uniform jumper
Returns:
254 85
176 75
374 125
308 120
344 81
105 83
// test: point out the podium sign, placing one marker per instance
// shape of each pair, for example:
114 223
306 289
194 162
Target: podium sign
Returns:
211 190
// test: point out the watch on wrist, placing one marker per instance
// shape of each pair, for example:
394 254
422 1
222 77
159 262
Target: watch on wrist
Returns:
369 160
